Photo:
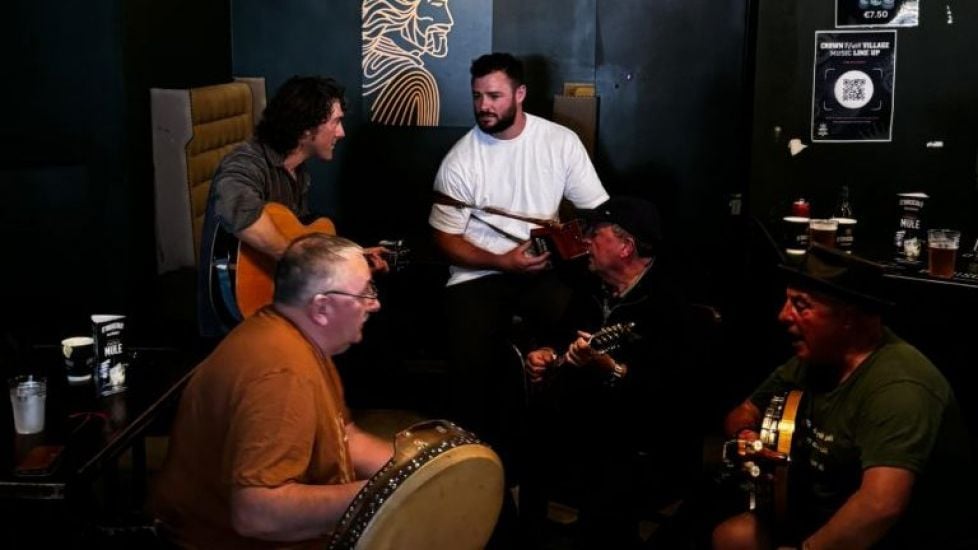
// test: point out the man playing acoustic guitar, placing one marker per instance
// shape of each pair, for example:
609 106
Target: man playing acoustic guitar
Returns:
880 448
608 398
303 121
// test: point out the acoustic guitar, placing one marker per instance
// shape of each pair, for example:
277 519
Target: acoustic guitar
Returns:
254 284
766 462
243 279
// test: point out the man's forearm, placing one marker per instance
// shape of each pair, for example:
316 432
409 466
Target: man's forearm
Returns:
289 513
369 453
263 236
853 526
745 416
461 252
869 513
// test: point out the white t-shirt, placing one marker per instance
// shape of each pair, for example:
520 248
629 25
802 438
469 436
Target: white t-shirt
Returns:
526 175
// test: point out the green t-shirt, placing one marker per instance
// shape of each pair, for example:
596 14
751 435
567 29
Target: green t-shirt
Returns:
896 409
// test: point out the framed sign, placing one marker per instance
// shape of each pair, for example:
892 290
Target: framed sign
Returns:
853 86
877 13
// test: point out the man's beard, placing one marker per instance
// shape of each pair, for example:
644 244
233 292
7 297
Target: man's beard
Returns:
503 122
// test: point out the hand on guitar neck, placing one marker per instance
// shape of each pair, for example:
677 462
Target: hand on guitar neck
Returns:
375 256
581 353
388 256
749 444
589 350
268 238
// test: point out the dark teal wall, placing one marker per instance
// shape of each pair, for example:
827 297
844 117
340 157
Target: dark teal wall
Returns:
75 160
62 147
671 128
669 75
935 89
670 79
380 182
279 39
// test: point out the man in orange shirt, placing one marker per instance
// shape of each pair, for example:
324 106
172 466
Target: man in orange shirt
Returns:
263 452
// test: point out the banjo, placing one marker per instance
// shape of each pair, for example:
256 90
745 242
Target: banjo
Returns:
765 463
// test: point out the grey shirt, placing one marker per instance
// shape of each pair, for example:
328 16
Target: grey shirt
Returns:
250 176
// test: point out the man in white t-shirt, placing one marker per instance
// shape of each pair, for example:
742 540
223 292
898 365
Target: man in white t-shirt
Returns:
525 165
512 160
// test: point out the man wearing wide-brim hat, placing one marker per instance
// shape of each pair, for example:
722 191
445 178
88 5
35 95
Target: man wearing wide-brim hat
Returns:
880 445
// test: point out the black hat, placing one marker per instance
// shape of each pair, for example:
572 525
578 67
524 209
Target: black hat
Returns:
846 277
637 216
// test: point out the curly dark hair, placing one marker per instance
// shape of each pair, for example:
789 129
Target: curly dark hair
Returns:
492 62
301 104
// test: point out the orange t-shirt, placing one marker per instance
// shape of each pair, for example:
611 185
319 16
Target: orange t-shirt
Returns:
264 409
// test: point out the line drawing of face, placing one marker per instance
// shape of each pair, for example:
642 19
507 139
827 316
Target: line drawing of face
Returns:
397 35
434 21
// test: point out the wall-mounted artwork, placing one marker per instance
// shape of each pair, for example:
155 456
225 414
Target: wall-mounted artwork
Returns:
416 57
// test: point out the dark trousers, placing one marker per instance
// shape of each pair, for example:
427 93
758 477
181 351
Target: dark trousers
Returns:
579 451
486 376
488 395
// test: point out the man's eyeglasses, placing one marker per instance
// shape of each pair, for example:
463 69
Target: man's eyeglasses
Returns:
370 294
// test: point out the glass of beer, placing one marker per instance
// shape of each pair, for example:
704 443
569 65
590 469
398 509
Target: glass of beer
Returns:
823 232
942 250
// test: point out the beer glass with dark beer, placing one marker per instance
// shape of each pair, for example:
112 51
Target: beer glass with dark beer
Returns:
823 232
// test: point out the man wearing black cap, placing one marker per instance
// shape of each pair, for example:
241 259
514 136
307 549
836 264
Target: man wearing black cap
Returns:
880 442
614 400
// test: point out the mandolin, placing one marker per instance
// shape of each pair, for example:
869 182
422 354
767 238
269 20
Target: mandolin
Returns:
604 340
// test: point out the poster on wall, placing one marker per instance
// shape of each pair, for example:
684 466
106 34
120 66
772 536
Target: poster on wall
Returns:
416 57
853 89
877 13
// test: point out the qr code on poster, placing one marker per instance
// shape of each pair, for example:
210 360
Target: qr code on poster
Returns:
853 89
